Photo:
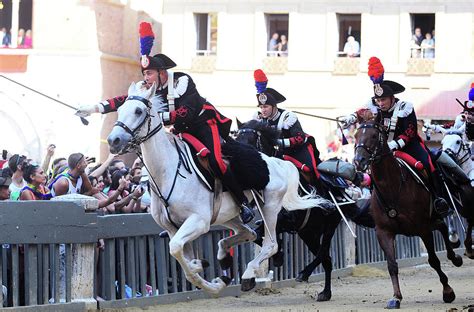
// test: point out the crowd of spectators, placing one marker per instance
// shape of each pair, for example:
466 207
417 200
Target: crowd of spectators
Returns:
118 189
24 39
423 46
278 45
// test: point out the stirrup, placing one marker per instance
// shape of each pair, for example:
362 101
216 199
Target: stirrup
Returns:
246 213
441 207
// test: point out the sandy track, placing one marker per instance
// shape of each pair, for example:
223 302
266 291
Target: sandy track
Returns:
420 287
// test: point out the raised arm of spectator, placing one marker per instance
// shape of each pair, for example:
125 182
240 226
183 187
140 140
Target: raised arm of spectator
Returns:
114 195
49 155
99 171
87 188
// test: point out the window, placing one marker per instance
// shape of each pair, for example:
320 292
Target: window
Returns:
277 34
206 33
349 34
24 18
422 44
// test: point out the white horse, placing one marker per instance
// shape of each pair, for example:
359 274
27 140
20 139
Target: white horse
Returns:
190 202
456 145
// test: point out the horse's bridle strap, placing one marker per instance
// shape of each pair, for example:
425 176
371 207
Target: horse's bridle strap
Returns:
139 98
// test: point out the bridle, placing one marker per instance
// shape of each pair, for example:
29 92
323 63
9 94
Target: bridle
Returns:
463 147
136 140
376 153
258 134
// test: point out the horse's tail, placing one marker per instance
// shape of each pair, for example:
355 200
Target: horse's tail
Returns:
292 200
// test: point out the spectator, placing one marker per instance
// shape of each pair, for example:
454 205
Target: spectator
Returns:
273 44
47 158
7 39
58 163
3 33
352 47
36 188
136 174
5 181
283 46
428 46
21 38
16 164
416 40
116 164
28 42
74 180
433 35
126 202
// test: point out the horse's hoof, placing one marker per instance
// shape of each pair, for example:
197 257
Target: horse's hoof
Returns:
457 261
449 297
278 259
226 279
164 234
302 278
325 295
469 254
226 262
248 284
454 241
204 263
393 303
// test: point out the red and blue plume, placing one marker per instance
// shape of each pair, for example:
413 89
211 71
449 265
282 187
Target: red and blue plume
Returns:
471 93
146 38
260 80
376 70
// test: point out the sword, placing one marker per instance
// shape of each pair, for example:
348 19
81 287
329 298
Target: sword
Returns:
344 139
342 214
261 213
83 120
454 206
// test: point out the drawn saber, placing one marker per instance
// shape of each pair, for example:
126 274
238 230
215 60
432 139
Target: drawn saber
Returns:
454 206
342 214
344 139
83 120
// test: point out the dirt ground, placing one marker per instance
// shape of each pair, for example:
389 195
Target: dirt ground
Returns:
370 290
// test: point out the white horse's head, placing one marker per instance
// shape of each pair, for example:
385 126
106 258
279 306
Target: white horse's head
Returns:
453 143
134 123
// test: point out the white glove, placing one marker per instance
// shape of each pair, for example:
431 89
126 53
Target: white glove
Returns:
346 121
393 145
86 110
435 128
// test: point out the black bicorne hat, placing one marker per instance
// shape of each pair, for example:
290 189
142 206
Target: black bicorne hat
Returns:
270 97
158 61
387 88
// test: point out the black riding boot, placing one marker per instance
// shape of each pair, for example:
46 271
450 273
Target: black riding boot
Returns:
229 181
440 204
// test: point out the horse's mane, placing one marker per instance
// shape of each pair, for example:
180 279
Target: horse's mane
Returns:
267 130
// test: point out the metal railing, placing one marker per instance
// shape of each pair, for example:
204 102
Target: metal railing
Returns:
49 255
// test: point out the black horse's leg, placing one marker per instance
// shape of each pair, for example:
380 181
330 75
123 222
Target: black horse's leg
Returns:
468 241
455 259
326 294
448 292
312 240
386 241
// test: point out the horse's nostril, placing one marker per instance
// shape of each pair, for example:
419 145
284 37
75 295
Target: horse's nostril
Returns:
116 142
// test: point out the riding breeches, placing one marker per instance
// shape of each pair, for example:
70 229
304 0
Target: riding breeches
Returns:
306 155
208 134
418 151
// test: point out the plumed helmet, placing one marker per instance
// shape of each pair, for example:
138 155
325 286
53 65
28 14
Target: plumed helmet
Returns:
266 96
470 102
382 88
158 61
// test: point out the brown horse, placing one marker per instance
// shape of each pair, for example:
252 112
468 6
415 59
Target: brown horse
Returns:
399 205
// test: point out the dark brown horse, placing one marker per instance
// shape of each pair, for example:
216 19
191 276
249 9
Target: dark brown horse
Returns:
399 205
